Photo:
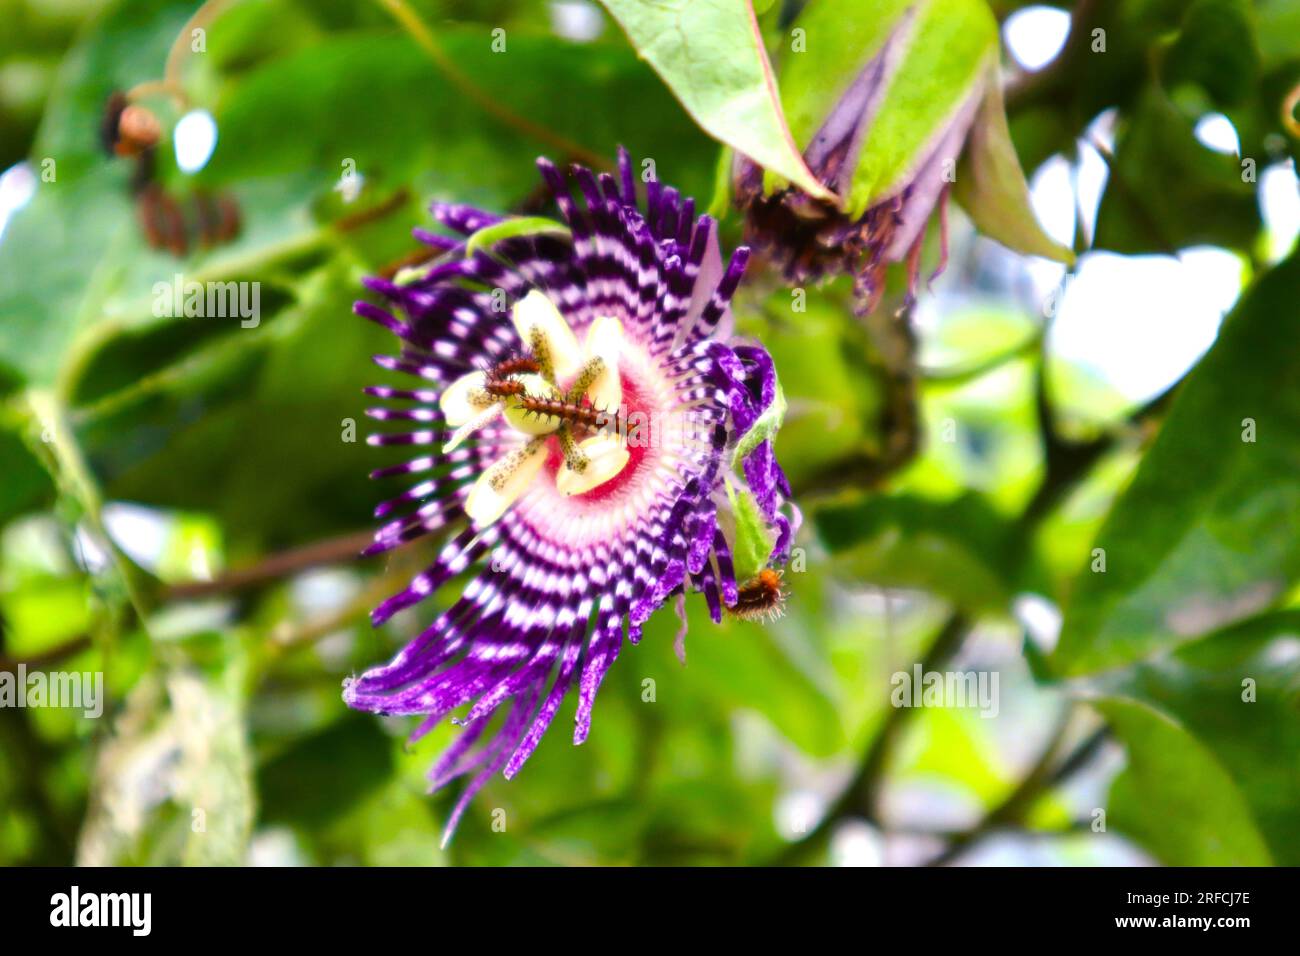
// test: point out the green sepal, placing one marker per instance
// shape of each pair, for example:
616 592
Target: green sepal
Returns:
754 539
514 228
764 427
991 186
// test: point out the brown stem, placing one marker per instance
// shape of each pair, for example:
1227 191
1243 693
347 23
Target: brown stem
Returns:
1016 804
330 551
363 217
1045 774
45 658
894 349
1065 462
861 796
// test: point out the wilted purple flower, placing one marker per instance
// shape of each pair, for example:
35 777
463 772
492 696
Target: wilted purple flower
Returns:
885 104
810 238
584 515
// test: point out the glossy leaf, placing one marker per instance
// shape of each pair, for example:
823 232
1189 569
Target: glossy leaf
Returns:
1167 191
954 548
1208 533
710 54
1174 797
1236 692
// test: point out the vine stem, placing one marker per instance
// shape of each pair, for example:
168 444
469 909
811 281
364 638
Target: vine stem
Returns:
1046 773
52 655
345 547
55 446
1013 808
410 21
862 794
171 84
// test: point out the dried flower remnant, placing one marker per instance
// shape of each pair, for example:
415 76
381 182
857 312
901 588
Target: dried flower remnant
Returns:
897 107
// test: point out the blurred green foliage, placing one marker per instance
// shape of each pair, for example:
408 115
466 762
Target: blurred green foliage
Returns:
225 740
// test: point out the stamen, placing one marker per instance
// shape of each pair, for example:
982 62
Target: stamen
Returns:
536 319
480 420
606 458
464 398
542 353
507 479
505 467
573 456
590 372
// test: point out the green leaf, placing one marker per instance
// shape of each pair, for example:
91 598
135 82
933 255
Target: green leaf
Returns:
1216 49
991 185
1167 191
1237 692
49 270
202 443
76 239
954 548
1279 31
1174 797
303 782
25 483
754 539
74 269
745 666
710 54
1208 533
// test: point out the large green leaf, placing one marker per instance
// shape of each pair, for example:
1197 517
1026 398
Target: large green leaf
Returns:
1174 797
711 55
1167 191
77 237
203 441
1209 531
1237 692
75 271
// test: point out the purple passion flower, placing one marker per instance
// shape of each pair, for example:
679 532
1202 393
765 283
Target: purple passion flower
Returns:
594 443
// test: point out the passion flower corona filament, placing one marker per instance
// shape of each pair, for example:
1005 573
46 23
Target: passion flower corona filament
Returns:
593 443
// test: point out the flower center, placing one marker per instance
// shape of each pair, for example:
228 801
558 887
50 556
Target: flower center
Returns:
632 413
566 401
